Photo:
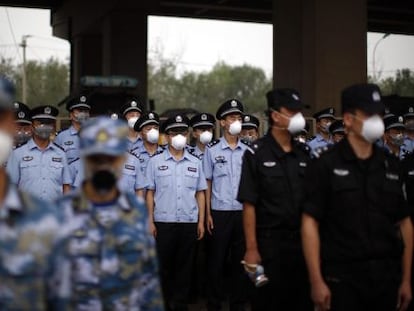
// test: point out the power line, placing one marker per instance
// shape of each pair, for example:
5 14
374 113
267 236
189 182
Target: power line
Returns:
12 32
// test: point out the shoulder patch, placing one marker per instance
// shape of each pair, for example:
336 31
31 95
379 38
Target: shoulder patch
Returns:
74 160
213 143
192 152
55 144
134 154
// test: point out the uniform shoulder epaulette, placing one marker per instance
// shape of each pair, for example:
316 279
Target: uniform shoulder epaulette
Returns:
133 150
157 152
133 154
213 143
321 150
192 152
61 148
60 131
74 160
21 145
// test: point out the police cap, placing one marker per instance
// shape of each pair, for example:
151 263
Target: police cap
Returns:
365 97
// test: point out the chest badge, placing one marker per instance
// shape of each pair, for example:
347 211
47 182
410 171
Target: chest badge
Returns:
163 168
192 169
392 176
68 143
27 158
269 164
340 172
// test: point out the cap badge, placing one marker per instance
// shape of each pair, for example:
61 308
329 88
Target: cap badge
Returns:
331 111
48 110
114 116
411 109
21 115
376 97
247 119
102 136
295 97
204 117
400 119
233 103
151 116
133 104
82 99
16 105
178 119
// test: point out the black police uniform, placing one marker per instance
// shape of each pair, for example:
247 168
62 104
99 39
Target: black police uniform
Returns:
358 204
272 181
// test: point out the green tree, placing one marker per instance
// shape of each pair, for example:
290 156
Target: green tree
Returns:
401 84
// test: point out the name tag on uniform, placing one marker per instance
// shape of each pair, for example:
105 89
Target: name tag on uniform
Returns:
27 158
57 159
303 164
392 176
68 143
340 172
162 167
411 173
130 167
220 159
269 164
192 169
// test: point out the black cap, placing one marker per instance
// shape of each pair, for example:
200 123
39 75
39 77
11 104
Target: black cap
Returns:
365 97
229 107
325 113
337 127
78 102
250 121
394 122
23 113
131 105
288 98
149 118
409 112
202 120
45 112
177 122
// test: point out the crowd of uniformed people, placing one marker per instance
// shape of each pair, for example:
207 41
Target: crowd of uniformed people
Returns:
120 212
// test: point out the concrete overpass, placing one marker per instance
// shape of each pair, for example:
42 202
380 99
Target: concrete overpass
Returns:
319 45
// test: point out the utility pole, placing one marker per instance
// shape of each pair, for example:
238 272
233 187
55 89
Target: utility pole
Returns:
24 78
374 70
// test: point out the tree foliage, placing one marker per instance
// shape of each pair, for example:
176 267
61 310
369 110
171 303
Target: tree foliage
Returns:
401 84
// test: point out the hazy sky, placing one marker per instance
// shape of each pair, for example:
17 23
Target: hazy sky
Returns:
233 42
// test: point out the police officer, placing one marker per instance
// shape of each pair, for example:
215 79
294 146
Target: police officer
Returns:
148 128
79 111
337 131
112 256
271 190
250 128
394 136
33 273
222 167
131 110
40 166
409 129
203 127
324 119
176 204
23 124
356 230
302 136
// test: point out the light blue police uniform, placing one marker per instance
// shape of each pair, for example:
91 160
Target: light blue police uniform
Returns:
75 169
39 172
196 151
34 273
133 146
402 154
69 141
223 166
408 144
143 157
318 142
175 184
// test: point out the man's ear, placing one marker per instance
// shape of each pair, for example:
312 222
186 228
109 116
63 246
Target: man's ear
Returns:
274 115
222 123
348 118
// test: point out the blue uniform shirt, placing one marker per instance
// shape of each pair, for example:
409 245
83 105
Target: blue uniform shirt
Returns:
403 152
133 146
143 157
75 167
39 172
69 141
222 166
196 151
112 255
34 272
175 184
408 144
129 178
318 142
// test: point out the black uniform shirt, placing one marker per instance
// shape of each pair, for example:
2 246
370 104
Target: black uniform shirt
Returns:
358 204
273 180
408 173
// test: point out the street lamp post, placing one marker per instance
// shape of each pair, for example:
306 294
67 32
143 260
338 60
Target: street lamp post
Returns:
374 72
24 77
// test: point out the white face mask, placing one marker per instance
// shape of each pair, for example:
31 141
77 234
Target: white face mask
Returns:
206 137
81 116
178 142
397 139
372 128
6 146
132 121
296 123
235 128
153 135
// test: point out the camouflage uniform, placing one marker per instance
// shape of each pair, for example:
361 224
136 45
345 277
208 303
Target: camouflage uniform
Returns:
34 274
112 255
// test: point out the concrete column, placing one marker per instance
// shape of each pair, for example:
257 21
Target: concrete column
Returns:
124 46
319 48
